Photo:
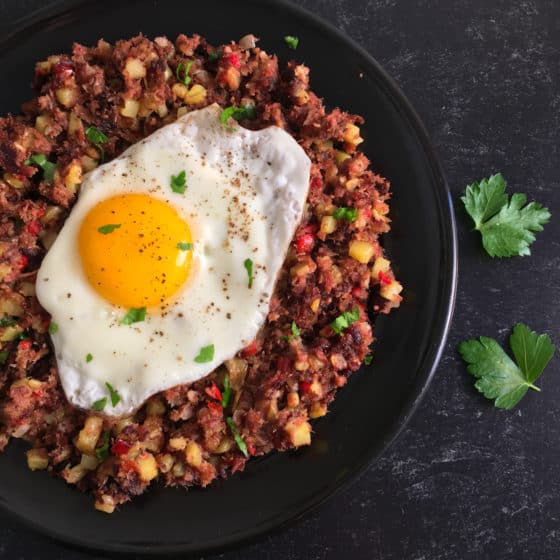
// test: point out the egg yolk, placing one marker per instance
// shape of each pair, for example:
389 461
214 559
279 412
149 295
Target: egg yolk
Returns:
136 250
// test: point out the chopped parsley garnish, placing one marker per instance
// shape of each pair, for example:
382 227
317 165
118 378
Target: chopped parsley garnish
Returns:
134 315
40 160
348 214
53 327
103 452
498 376
206 354
215 55
185 246
247 112
291 41
184 67
89 357
179 182
96 137
238 439
108 228
295 332
100 404
226 393
115 397
343 321
4 356
7 322
507 225
368 359
248 264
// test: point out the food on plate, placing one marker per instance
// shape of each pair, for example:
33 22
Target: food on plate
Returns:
119 140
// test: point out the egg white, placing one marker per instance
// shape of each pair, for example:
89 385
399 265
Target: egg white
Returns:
245 196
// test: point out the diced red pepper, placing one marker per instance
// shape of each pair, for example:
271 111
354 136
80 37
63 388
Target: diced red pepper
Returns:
384 278
283 363
305 387
63 68
316 183
214 392
33 227
251 449
359 292
215 407
23 261
40 212
24 345
233 59
367 212
120 447
305 243
250 350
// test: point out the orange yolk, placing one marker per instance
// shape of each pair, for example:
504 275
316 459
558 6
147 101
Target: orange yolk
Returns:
133 250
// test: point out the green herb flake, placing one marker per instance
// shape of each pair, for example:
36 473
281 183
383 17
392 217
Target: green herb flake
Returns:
134 315
184 68
100 404
248 264
179 183
498 376
41 161
507 225
295 330
53 327
96 137
238 439
115 397
348 214
368 359
185 246
246 112
108 228
7 322
226 393
4 356
343 321
89 357
215 56
206 354
291 41
103 452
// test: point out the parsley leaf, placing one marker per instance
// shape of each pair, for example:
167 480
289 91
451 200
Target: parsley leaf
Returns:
226 393
368 359
7 322
179 183
343 321
206 354
40 160
348 214
4 356
96 137
103 452
291 41
89 357
215 55
295 332
499 377
238 439
100 404
507 226
186 79
248 264
53 327
134 315
247 112
108 228
115 397
185 246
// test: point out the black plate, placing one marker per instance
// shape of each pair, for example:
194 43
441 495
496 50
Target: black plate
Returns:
366 415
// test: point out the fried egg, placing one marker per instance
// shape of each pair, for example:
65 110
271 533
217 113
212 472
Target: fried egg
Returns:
167 262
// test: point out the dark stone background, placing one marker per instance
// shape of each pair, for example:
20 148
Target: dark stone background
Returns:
464 480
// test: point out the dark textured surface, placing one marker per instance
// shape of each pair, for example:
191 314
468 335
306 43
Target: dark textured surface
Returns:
464 480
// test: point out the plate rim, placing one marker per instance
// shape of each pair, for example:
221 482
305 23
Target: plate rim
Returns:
440 330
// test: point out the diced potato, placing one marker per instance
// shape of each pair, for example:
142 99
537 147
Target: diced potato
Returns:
301 365
315 305
130 108
195 95
74 474
351 136
182 111
74 124
362 251
122 423
89 462
316 388
51 214
166 462
180 90
232 78
351 184
340 156
162 110
88 436
323 145
292 399
106 504
14 180
328 225
380 265
42 122
298 431
37 459
10 333
73 176
155 407
224 446
147 466
178 469
390 291
317 410
271 410
43 66
301 97
27 289
9 306
300 269
135 68
66 96
88 164
177 443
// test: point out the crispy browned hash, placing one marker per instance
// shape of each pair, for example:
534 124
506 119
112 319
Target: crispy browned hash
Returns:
91 106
